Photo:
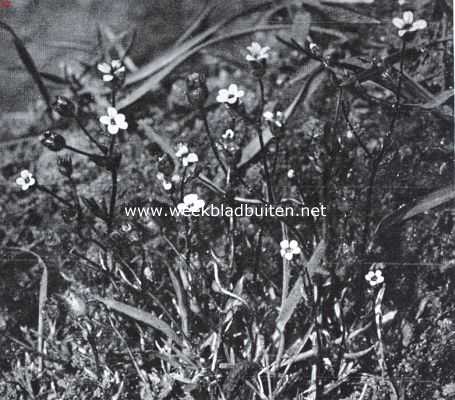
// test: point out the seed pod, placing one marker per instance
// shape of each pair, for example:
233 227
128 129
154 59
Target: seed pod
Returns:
64 106
53 141
196 90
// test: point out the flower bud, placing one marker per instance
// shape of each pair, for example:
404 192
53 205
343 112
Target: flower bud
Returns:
65 166
69 215
196 90
53 141
64 106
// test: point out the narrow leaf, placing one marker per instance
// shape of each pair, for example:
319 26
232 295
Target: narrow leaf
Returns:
437 101
290 304
28 62
338 14
141 316
314 265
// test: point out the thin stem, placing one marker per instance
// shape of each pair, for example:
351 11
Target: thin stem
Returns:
90 137
84 153
113 175
271 196
56 196
212 141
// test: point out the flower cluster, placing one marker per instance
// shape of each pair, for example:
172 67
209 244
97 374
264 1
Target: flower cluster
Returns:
114 121
407 25
275 118
113 71
288 249
374 278
191 203
25 180
184 154
230 96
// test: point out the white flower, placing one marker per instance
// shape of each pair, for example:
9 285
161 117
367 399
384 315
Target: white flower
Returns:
230 95
26 179
182 149
112 70
228 135
291 173
407 23
114 121
289 249
190 159
374 277
276 118
191 202
166 184
175 178
257 53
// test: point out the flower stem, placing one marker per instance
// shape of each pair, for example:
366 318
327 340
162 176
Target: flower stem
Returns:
113 175
271 196
91 138
56 196
84 153
212 141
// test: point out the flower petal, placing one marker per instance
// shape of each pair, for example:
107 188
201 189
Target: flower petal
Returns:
123 125
401 32
105 120
398 22
408 17
112 112
288 256
104 68
284 244
108 77
112 129
420 24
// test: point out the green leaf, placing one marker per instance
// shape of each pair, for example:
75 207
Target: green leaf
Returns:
290 304
141 316
436 101
430 201
314 265
252 149
338 14
29 64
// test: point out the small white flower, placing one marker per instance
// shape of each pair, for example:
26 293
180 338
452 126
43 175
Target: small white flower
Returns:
407 23
191 158
126 227
276 118
26 179
314 48
167 185
191 202
112 70
230 95
114 121
228 135
175 178
182 149
257 52
374 277
291 174
289 249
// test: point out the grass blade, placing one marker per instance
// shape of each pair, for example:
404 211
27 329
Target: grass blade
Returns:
29 64
141 316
